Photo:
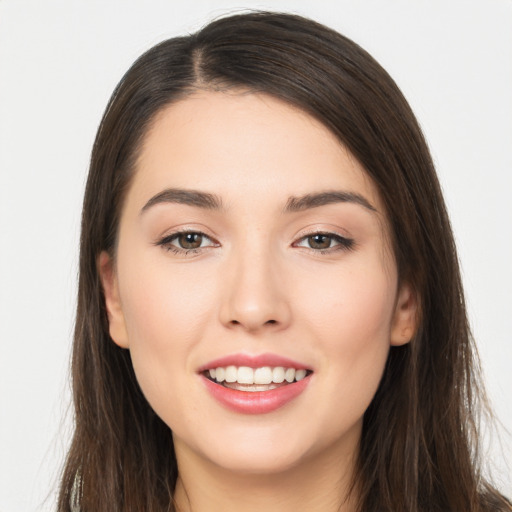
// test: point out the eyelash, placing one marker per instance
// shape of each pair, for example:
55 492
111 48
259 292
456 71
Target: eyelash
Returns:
342 243
166 243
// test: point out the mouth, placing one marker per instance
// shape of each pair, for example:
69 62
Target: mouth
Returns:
265 378
255 384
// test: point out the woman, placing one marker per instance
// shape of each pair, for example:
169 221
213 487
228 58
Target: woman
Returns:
270 310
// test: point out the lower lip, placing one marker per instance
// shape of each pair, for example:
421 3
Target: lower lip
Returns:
256 402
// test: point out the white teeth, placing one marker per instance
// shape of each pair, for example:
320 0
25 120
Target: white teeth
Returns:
231 374
278 374
263 376
289 374
220 374
245 375
299 374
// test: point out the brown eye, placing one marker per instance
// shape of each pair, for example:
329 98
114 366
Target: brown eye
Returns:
319 241
325 242
185 242
190 240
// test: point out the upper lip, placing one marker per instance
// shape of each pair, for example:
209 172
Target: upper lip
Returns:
253 361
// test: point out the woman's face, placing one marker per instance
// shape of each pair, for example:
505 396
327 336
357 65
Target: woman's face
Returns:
253 244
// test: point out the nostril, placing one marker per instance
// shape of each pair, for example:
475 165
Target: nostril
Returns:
268 322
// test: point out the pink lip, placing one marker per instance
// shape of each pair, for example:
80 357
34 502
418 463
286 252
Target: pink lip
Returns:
253 361
255 402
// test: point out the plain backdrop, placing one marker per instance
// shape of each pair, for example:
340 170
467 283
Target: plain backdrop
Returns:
59 62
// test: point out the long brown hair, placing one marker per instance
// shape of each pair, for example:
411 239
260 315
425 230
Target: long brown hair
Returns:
418 450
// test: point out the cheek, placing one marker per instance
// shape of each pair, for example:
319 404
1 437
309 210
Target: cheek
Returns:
351 322
356 303
166 314
162 302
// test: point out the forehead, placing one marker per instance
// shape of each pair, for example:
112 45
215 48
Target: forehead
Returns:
246 147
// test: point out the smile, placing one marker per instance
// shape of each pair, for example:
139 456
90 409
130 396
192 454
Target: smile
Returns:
255 384
244 378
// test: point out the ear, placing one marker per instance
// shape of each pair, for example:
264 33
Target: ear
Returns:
116 322
405 318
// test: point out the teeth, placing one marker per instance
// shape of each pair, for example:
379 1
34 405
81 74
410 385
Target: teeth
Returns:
299 374
289 375
263 375
257 376
278 374
231 374
220 374
245 375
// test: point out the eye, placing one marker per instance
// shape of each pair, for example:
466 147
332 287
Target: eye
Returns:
186 241
324 242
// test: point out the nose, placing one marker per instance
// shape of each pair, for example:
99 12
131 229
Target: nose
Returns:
255 294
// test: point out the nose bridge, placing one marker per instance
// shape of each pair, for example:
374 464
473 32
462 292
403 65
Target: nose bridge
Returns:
255 296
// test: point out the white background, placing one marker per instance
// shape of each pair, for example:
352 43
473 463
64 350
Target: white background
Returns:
59 62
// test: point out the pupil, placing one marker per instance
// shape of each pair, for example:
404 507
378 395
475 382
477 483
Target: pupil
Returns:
190 240
320 241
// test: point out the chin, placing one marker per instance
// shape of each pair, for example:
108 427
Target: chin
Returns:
261 461
264 449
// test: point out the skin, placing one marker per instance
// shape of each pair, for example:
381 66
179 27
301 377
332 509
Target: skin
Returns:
255 286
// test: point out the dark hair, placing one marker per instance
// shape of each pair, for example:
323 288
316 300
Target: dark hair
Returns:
418 450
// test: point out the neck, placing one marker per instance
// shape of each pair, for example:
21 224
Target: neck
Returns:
319 483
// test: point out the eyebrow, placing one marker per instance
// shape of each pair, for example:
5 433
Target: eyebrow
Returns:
209 201
182 196
299 204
